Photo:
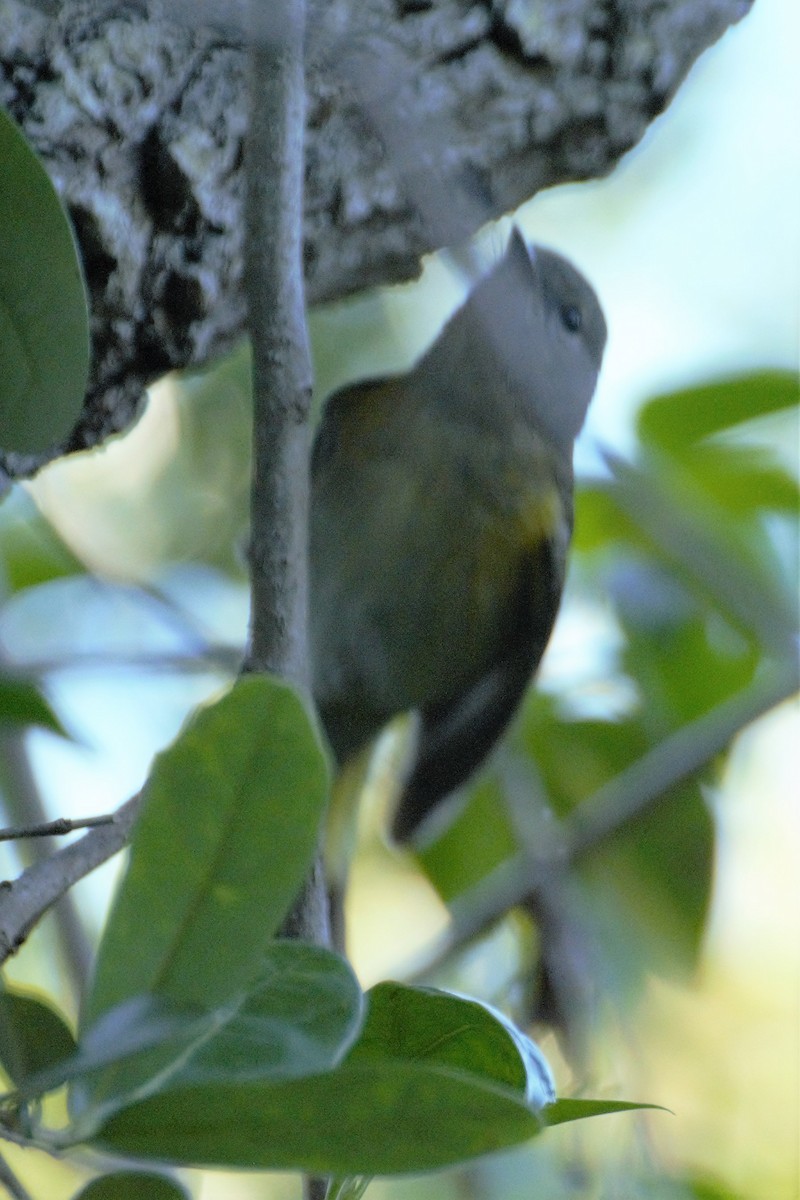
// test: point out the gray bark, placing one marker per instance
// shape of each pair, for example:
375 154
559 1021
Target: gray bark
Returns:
141 121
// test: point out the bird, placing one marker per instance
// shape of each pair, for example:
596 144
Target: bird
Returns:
441 513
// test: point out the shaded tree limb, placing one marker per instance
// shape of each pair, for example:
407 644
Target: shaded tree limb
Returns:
25 901
25 805
141 122
278 550
56 828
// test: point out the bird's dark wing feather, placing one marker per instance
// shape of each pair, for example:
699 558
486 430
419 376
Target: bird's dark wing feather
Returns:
455 736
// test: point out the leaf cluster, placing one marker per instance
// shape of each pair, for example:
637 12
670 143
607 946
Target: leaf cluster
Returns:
204 1040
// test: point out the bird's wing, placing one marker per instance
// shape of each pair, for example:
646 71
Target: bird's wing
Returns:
456 736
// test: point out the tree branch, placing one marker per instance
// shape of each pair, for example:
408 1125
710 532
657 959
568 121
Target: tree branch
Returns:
281 383
56 828
25 901
141 122
281 357
278 554
26 808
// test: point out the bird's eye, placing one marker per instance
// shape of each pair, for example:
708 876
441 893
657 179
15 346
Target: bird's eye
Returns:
571 317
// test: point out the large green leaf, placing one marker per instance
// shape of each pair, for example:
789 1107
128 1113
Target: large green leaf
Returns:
227 832
425 1024
363 1119
44 329
298 1017
433 1080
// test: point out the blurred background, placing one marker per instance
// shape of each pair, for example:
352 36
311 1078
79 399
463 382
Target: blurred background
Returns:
123 588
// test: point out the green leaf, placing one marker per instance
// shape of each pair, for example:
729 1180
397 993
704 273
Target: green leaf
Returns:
425 1024
561 1112
366 1118
677 420
357 1120
298 1017
44 327
684 658
22 703
649 888
702 505
432 1080
33 1036
132 1185
227 832
725 562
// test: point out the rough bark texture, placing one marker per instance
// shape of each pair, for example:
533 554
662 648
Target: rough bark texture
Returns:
141 123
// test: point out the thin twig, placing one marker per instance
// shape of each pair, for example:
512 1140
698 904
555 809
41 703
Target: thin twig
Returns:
24 901
26 810
56 828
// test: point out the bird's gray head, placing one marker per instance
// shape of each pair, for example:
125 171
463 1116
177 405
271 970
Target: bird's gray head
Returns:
546 333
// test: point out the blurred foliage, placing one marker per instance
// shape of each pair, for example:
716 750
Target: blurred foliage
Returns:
31 551
174 489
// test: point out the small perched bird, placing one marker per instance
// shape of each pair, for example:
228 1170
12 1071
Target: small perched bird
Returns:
441 513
